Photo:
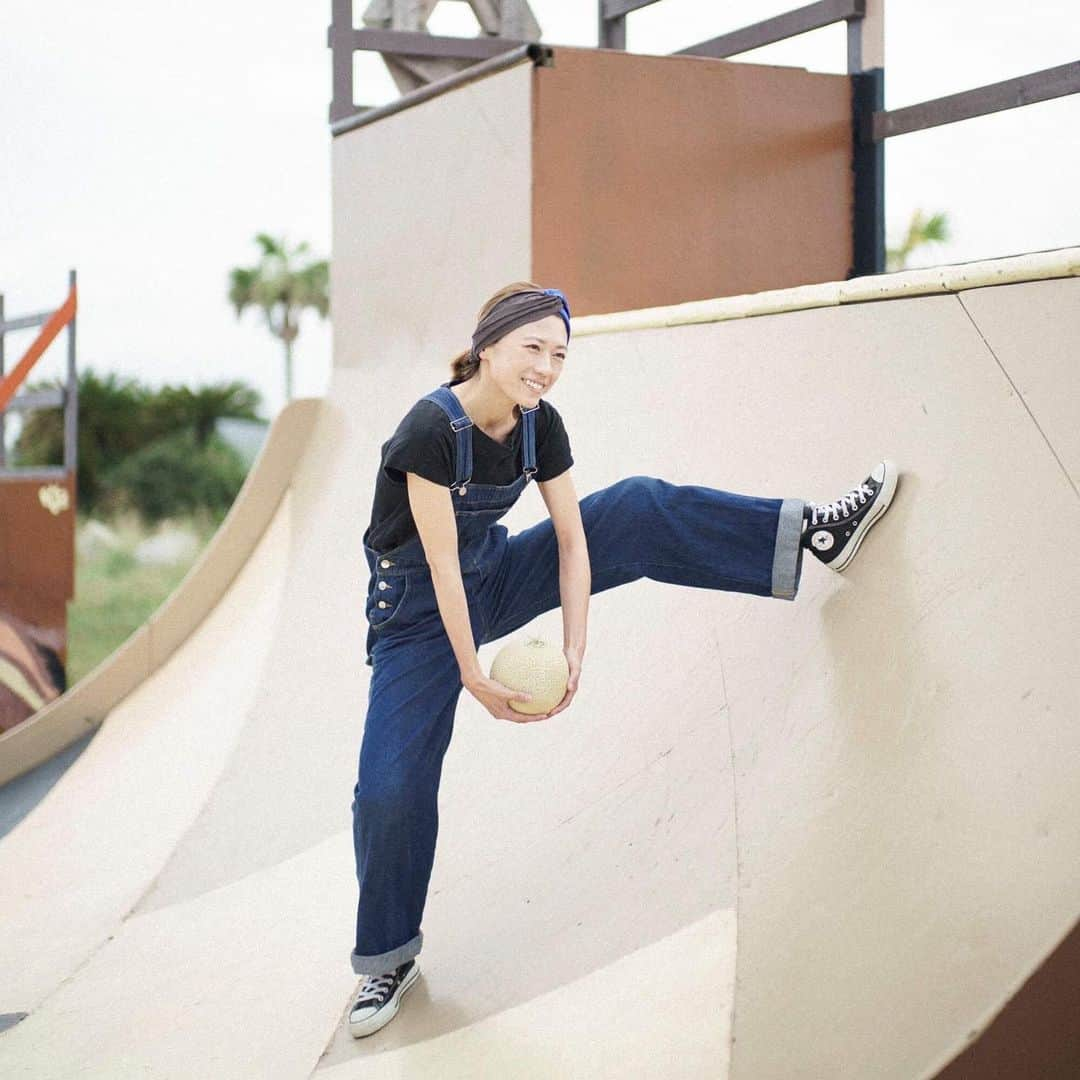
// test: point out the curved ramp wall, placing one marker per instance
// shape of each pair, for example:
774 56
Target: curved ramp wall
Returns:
85 705
905 743
850 821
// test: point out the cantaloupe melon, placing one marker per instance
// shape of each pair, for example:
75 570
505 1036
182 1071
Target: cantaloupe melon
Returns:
535 667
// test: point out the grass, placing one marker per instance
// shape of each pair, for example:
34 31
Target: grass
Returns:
115 594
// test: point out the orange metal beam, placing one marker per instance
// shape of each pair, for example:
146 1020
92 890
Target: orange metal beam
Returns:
57 321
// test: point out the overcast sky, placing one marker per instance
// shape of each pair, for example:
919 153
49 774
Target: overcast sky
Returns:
146 145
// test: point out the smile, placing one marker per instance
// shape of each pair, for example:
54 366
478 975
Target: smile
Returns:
533 385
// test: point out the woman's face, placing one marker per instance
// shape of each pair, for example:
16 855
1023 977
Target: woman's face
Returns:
533 351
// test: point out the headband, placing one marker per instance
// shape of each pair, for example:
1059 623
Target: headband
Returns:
517 309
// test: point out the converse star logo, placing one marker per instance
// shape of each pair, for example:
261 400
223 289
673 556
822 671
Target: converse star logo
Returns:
822 540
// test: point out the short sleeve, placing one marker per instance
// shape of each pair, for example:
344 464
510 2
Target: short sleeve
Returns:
553 455
422 446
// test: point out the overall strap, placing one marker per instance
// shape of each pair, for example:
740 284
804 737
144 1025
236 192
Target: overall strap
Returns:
528 441
460 423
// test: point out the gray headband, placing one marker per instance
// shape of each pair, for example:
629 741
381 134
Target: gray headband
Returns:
516 310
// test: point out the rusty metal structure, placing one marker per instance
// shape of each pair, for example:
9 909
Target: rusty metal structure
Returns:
424 65
37 526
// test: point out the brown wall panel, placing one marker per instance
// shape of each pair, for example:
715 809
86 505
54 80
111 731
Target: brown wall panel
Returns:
37 578
662 179
1037 1034
37 534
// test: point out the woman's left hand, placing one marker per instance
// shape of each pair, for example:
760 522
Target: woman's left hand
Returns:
573 660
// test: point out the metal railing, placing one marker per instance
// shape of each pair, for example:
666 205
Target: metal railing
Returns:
871 122
67 397
539 54
612 15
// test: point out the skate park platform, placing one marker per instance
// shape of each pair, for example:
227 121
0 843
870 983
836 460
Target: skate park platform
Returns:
828 837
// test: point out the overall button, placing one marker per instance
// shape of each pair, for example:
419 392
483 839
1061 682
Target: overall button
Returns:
385 563
383 585
383 603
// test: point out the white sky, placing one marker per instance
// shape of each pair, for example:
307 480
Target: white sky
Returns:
146 145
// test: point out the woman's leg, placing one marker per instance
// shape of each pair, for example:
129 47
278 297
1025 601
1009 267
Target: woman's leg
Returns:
642 526
413 694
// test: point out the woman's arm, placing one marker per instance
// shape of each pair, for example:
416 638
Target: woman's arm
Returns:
575 586
575 572
433 512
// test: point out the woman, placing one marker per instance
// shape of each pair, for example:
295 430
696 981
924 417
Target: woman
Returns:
445 579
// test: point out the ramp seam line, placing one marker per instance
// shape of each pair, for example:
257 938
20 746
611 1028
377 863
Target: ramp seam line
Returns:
1020 396
738 855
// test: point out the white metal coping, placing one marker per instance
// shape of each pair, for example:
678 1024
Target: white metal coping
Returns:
1033 266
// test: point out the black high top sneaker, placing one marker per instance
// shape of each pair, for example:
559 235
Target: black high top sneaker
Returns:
833 531
379 998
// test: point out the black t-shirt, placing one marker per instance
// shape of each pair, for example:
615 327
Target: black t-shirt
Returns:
424 443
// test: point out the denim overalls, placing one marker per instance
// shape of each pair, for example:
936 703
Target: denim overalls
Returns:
638 527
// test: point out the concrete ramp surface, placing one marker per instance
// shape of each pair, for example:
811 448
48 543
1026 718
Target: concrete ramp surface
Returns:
822 838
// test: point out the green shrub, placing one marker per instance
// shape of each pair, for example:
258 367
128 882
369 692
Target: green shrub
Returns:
174 476
119 417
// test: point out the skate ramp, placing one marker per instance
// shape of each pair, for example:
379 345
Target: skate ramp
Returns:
78 712
840 831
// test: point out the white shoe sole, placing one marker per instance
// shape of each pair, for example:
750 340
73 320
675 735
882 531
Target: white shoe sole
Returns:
387 1013
881 504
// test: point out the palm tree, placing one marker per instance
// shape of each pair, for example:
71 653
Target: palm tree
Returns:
921 230
176 407
282 289
118 417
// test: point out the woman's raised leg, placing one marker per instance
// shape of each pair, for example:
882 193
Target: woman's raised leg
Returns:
642 526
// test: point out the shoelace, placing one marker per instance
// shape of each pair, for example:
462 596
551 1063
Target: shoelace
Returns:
375 986
834 510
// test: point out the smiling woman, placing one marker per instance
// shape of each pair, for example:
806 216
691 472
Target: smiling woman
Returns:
446 578
518 315
488 388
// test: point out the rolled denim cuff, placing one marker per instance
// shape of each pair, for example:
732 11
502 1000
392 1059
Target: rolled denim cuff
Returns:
387 961
787 555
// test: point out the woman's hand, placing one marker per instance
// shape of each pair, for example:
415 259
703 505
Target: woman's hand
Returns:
496 698
573 660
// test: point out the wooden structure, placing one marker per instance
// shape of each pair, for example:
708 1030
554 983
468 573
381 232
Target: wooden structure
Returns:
37 528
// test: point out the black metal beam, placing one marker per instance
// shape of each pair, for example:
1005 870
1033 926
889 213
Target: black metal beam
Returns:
616 9
3 438
540 55
611 34
341 60
412 43
868 167
71 397
38 399
24 321
995 97
791 23
36 472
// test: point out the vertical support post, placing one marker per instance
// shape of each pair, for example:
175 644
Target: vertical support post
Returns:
514 21
866 38
339 38
868 166
866 69
612 34
3 443
71 401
